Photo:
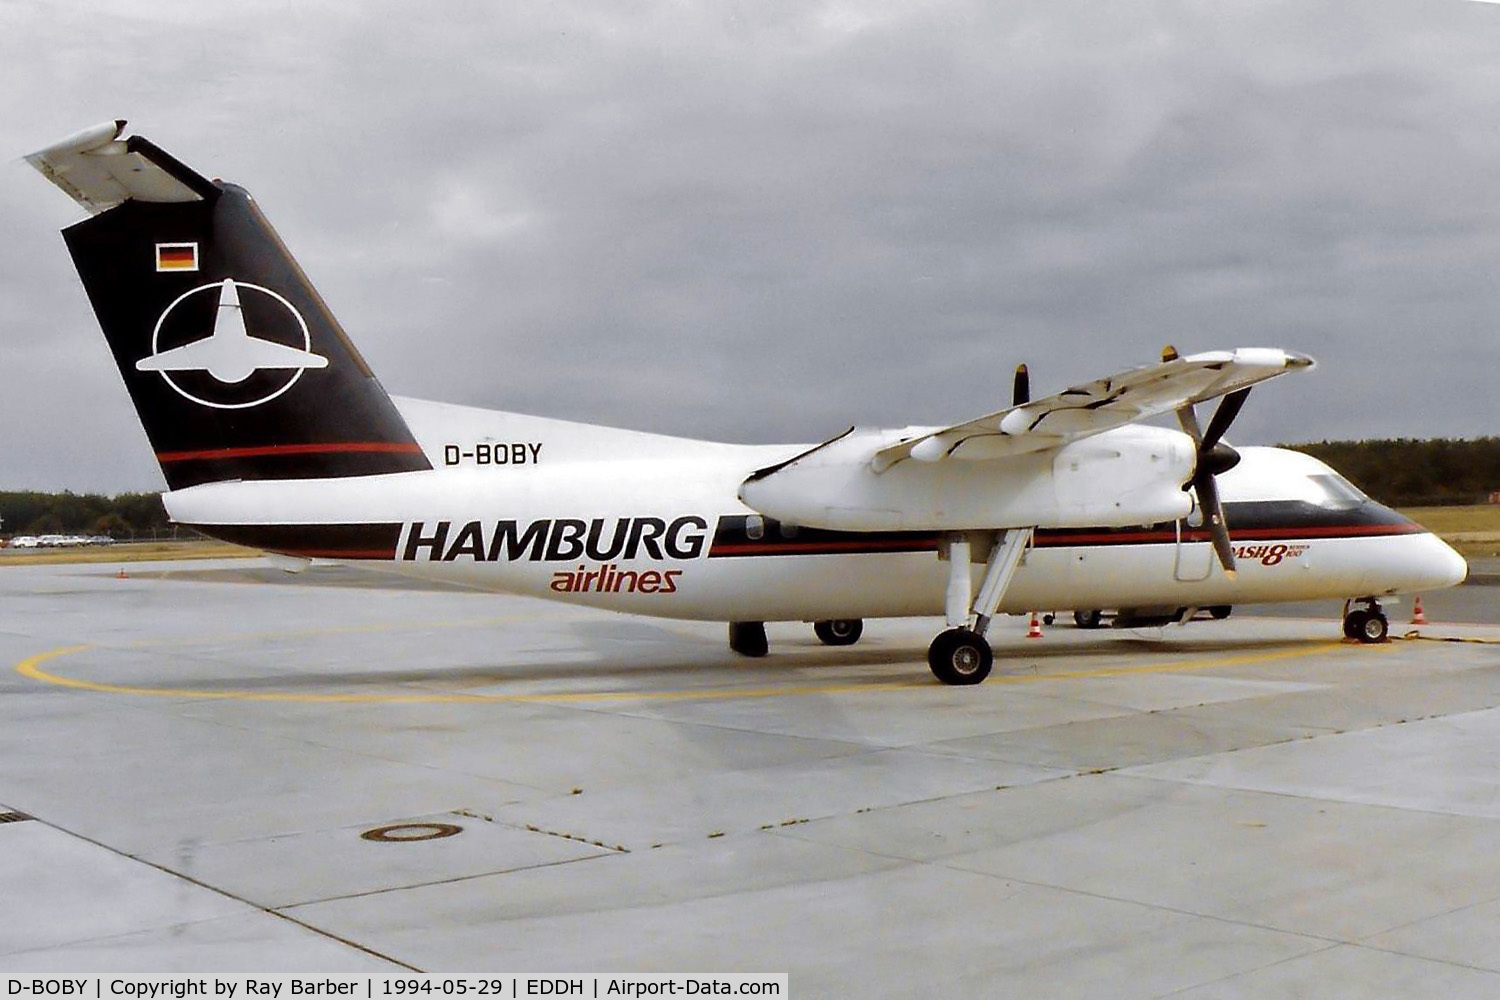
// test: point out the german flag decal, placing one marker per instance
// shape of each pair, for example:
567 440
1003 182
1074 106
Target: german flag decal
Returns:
177 256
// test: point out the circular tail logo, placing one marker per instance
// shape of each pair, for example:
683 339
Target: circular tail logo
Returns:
203 349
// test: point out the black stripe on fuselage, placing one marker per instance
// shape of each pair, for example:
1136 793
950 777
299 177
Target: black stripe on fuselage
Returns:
752 535
1282 520
739 535
320 541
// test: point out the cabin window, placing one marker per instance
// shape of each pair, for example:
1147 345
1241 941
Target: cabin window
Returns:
1336 493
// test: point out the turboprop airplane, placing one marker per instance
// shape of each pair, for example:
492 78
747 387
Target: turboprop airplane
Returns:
271 431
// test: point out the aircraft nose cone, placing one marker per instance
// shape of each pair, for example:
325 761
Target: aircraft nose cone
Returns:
1441 565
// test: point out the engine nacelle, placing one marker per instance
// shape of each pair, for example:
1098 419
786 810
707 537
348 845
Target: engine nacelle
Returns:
1128 476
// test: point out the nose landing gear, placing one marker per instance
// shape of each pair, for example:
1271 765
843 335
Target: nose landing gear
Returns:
962 655
1367 624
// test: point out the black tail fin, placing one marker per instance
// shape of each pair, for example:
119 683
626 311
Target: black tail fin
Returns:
234 363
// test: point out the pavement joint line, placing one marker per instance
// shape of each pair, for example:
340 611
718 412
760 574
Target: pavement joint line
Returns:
31 668
951 863
449 880
1418 956
1330 945
218 890
1329 942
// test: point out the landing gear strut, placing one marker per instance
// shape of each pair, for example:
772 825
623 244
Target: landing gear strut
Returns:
1367 624
962 655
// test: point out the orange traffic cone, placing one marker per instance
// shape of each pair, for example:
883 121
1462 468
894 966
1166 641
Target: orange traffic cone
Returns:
1417 617
1035 632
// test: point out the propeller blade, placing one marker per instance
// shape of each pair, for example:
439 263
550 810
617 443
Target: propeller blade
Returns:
1021 388
1223 417
1213 516
1188 418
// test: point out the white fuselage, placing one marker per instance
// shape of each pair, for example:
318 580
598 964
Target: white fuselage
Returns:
653 525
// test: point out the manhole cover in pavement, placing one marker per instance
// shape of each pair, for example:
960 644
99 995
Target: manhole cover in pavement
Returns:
401 833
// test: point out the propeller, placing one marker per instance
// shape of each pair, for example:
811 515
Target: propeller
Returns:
1213 458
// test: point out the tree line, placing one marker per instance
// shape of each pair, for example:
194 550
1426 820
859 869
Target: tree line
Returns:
123 516
1400 472
1407 473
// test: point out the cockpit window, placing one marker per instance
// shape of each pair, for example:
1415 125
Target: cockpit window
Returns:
1336 493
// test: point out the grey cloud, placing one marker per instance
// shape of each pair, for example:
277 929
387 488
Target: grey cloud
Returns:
768 221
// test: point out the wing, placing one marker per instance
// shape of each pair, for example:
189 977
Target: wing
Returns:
100 170
1073 459
1095 406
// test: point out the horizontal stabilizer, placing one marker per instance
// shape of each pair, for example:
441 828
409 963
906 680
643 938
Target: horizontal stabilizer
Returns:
99 170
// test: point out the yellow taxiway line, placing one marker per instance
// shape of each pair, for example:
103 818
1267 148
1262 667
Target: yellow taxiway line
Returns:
32 667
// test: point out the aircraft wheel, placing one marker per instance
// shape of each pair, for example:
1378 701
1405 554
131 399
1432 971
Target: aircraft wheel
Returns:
1049 618
1373 627
839 631
1354 623
748 638
1092 618
959 656
1220 611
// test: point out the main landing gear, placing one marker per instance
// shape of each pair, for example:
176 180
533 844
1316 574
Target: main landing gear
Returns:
1367 624
749 638
1089 618
962 655
839 631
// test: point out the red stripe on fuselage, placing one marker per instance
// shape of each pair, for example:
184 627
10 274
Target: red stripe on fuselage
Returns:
1063 539
253 451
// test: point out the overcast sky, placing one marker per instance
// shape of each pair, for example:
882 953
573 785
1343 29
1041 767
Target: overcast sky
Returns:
765 221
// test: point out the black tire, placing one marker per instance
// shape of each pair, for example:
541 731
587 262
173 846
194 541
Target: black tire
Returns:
1220 611
1048 618
959 656
748 638
1374 629
1091 618
1354 623
839 631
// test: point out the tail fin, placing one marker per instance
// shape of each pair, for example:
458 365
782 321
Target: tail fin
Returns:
235 365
